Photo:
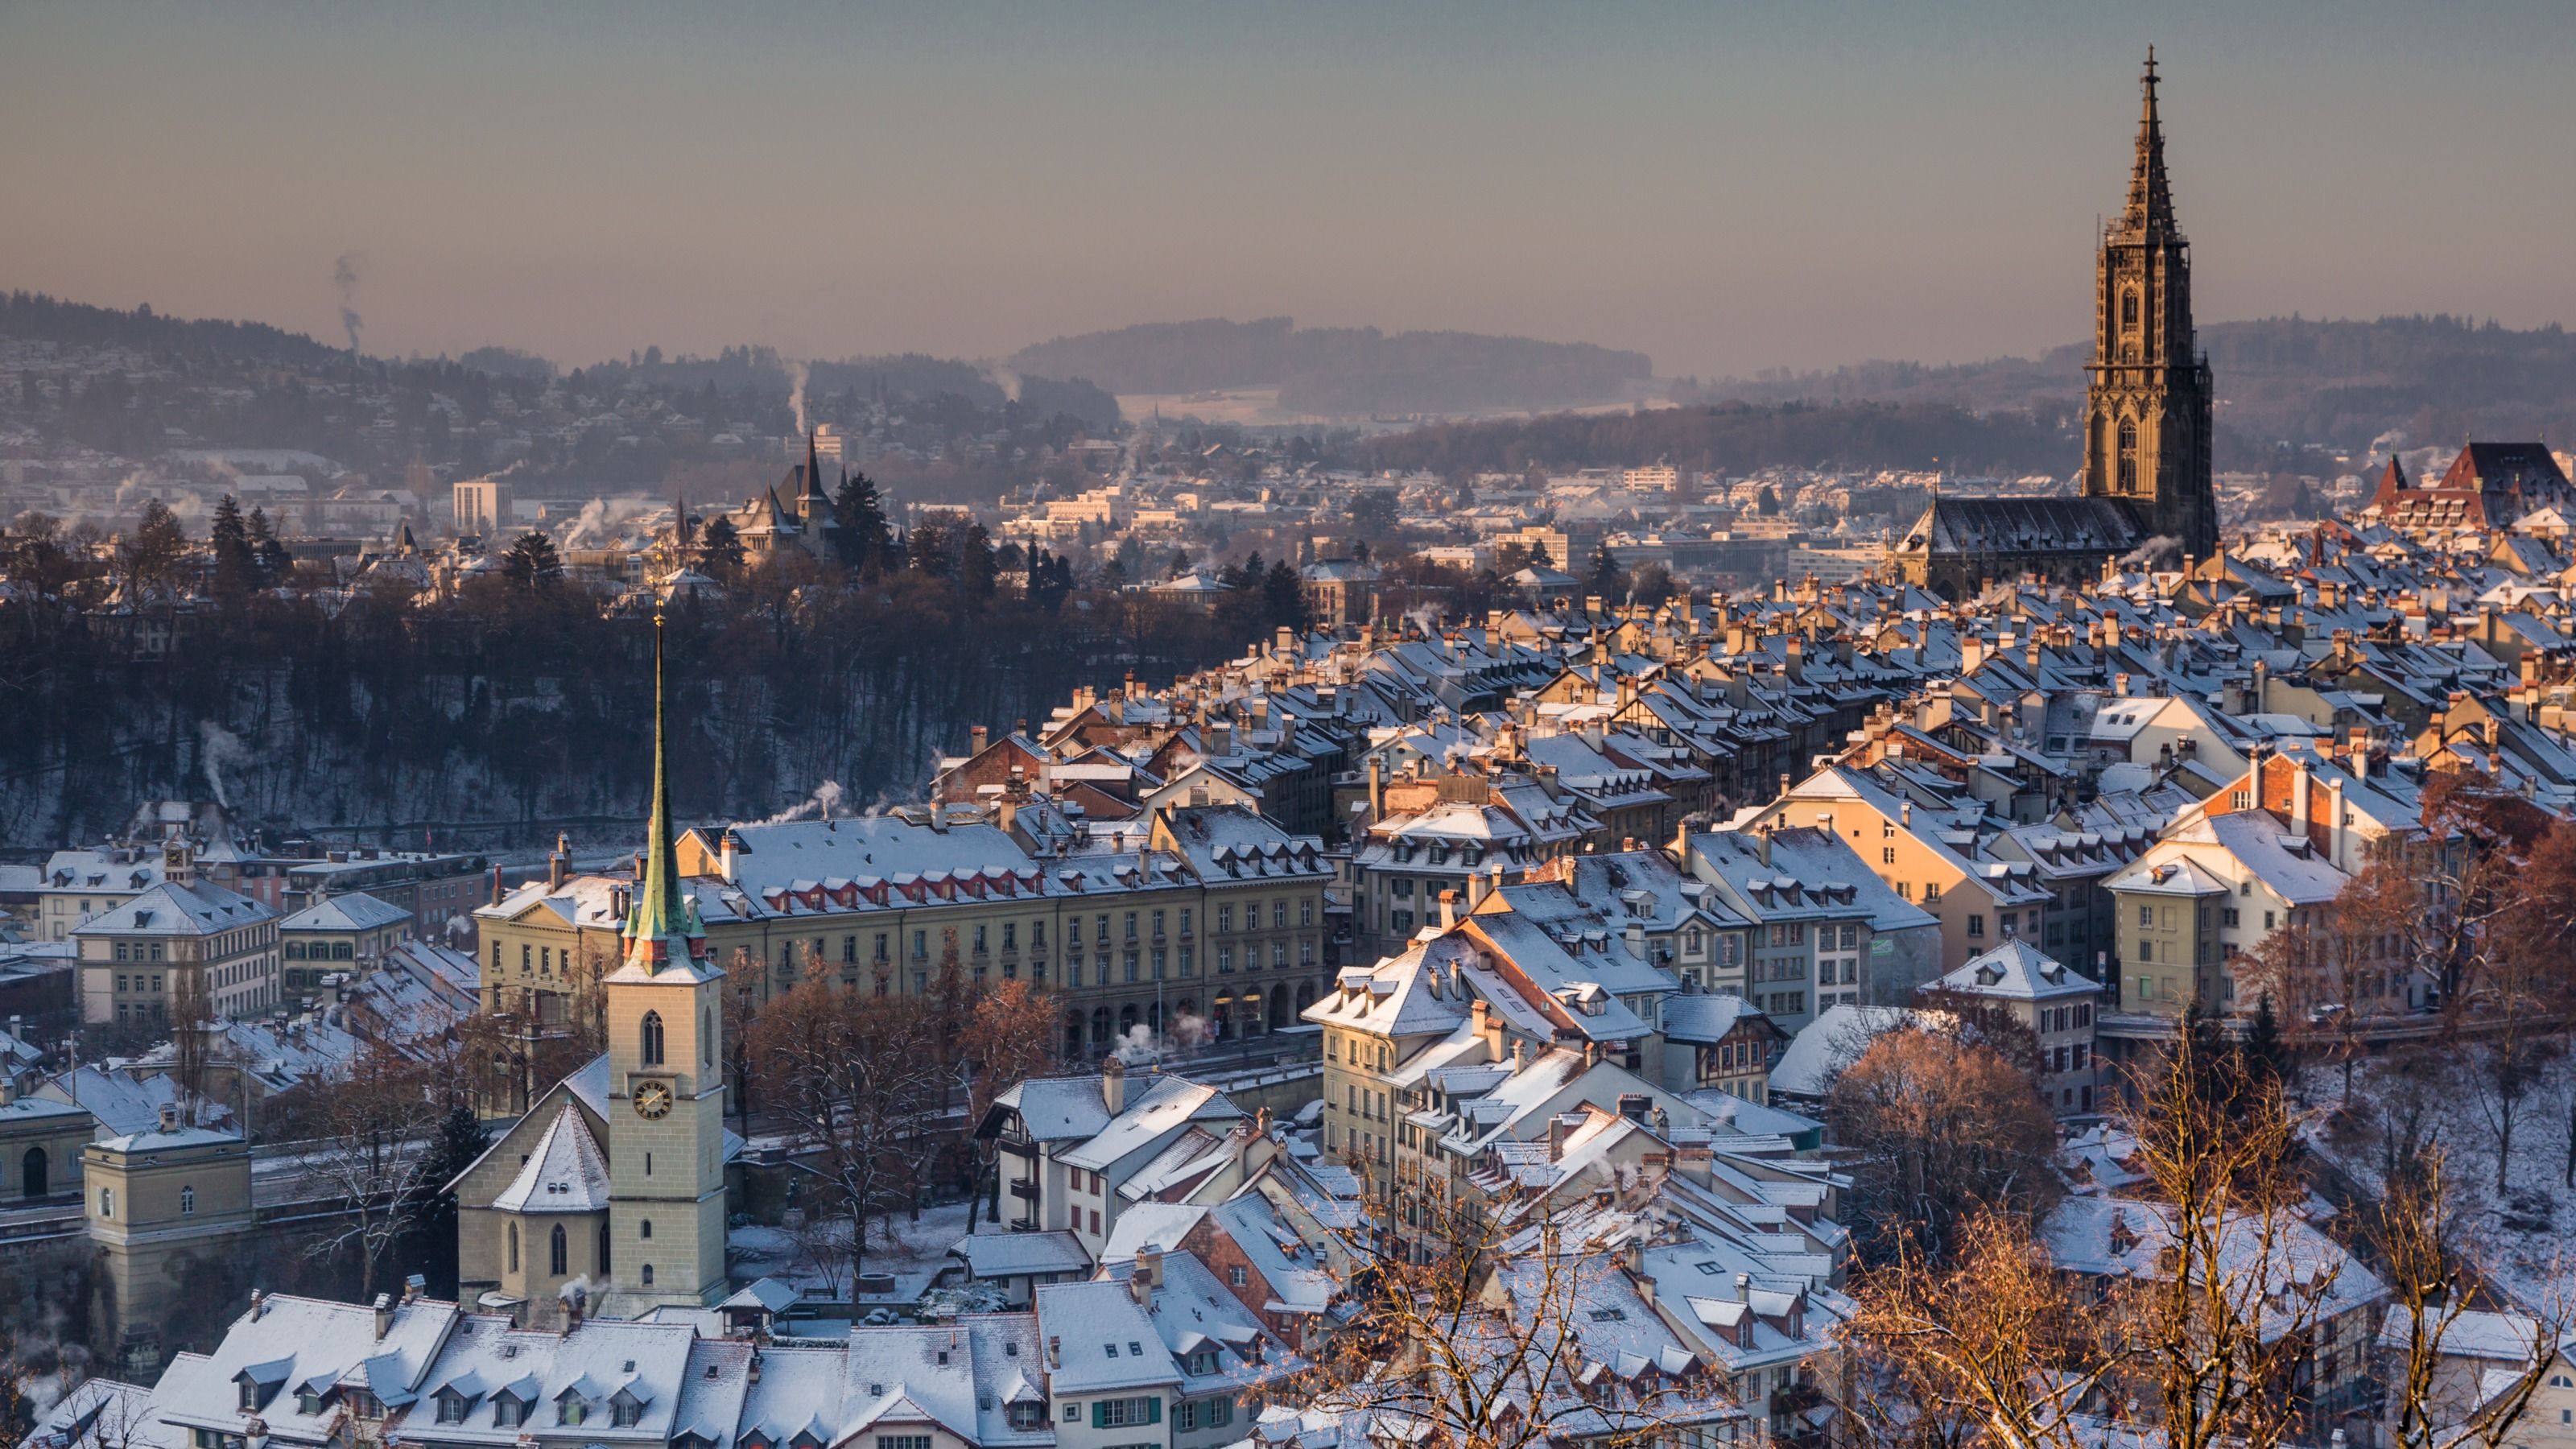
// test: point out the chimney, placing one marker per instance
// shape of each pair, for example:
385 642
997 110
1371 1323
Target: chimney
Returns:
413 1287
1743 1287
1480 1015
1557 1127
258 1304
977 737
559 864
1113 1084
2334 823
1448 909
1972 652
1762 845
384 1315
496 883
1377 789
753 1373
1055 1352
726 851
169 1117
1476 891
1148 1274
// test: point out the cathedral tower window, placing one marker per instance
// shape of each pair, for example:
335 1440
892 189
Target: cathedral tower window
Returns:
652 1038
555 1253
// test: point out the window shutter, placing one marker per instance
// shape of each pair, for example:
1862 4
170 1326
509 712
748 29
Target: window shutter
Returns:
1100 1413
1153 1409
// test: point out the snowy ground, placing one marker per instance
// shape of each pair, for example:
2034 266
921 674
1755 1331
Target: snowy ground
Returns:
2519 1237
817 1261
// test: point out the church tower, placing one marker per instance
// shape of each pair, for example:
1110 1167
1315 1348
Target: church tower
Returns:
2147 401
666 1209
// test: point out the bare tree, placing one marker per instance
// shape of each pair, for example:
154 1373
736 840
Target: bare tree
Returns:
1994 1344
1942 1130
192 1020
1477 1342
1009 1038
369 1151
859 1080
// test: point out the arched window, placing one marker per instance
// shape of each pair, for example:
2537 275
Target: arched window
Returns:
707 1036
555 1254
602 1264
514 1247
644 1230
187 1200
107 1202
2128 457
652 1038
2129 311
648 1275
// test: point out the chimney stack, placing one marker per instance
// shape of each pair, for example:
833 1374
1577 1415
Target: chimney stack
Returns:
384 1315
1113 1084
559 864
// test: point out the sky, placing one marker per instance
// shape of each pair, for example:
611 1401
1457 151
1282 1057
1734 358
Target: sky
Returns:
1727 188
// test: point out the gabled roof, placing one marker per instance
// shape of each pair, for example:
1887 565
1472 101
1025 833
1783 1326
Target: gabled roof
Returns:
567 1173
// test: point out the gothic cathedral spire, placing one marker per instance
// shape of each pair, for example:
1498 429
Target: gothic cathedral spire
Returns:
662 921
2147 399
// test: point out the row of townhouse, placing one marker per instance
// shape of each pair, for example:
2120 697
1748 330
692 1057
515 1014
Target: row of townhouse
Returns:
1202 913
1160 1354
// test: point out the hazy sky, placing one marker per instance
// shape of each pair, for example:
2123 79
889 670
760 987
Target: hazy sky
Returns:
1725 187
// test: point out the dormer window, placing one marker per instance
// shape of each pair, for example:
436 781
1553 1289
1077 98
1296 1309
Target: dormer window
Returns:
625 1412
570 1409
451 1407
249 1393
308 1402
1203 1362
509 1412
1030 1414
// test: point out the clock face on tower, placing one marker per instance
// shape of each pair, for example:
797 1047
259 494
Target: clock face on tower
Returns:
653 1100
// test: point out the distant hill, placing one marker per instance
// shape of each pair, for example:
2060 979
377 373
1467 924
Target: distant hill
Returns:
1736 437
1343 371
2291 379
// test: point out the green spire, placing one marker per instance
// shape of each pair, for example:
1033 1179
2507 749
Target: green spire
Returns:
659 917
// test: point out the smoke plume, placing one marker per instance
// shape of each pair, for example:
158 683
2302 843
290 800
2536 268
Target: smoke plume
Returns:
796 374
820 805
218 750
2159 549
344 276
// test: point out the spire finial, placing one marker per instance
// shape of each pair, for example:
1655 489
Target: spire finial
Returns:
2150 201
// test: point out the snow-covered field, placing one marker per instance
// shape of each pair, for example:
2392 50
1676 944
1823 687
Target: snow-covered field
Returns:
2437 1099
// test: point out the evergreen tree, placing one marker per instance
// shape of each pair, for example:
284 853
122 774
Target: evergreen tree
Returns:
720 555
1538 558
2266 1054
531 564
1283 604
1605 576
934 551
859 509
975 564
460 1140
236 567
276 565
1767 502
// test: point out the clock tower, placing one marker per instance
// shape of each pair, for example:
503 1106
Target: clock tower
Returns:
666 1209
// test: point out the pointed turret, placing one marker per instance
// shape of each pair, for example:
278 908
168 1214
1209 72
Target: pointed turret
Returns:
2150 206
663 923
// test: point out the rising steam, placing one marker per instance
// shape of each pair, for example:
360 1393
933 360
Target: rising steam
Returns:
796 370
344 276
820 805
218 750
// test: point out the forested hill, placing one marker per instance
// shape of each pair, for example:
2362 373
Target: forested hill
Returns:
492 720
1739 438
1343 371
2342 383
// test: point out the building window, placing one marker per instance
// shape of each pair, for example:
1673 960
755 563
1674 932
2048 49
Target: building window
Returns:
1976 924
514 1247
903 1441
555 1253
187 1201
652 1038
648 1275
107 1202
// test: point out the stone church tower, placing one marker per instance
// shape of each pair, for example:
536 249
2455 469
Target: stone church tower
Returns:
665 1097
2147 399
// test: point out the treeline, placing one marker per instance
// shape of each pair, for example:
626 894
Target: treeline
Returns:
493 717
1739 438
1341 370
2433 378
